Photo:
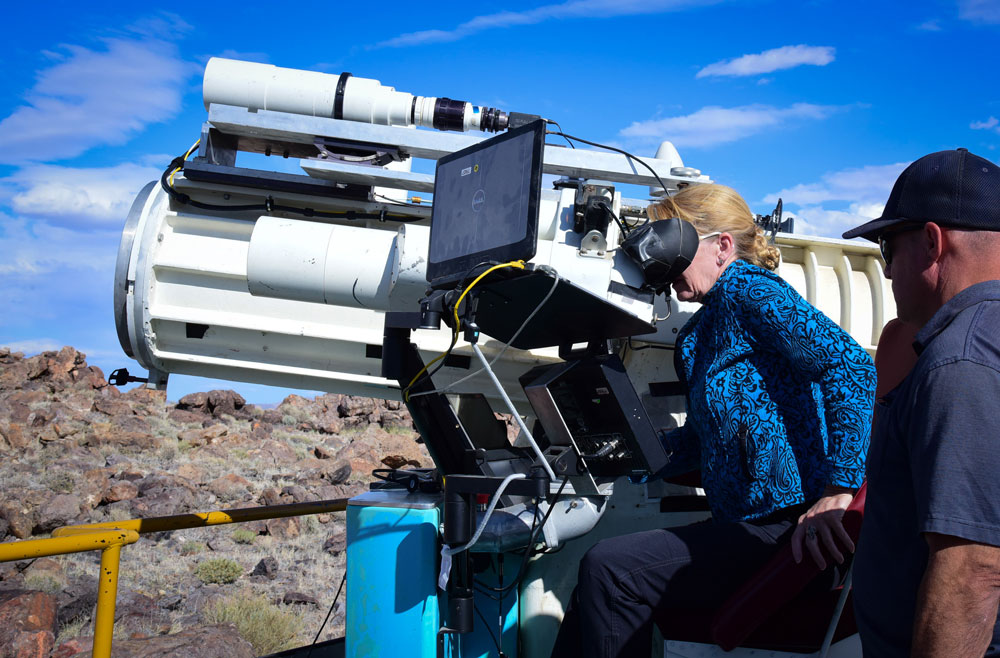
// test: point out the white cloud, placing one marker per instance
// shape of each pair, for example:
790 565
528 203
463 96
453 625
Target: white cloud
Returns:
714 125
864 185
33 249
570 9
992 124
933 25
979 11
89 98
73 196
32 346
840 200
776 59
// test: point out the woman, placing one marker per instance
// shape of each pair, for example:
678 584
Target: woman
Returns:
779 409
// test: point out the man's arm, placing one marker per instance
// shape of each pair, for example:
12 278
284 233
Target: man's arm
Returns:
958 598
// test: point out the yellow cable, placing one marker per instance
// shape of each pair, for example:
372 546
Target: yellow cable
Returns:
519 264
186 156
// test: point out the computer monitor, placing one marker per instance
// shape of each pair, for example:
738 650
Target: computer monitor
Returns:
486 204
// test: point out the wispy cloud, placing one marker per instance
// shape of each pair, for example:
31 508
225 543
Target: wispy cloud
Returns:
31 346
69 196
776 59
711 126
570 9
94 97
839 200
992 124
37 249
933 25
979 11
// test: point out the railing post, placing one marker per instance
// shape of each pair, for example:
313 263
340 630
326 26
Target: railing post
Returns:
107 593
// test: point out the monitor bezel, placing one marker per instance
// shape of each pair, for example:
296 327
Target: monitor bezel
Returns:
447 273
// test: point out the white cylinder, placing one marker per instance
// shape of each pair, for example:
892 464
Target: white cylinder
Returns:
333 264
268 87
666 151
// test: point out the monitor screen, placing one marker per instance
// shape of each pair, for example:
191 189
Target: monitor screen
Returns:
486 204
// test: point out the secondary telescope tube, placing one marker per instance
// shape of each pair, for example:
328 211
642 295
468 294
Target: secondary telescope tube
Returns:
268 87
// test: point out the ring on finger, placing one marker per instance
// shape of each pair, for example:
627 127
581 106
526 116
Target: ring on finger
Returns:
811 532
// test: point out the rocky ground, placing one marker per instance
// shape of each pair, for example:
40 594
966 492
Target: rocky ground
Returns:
74 449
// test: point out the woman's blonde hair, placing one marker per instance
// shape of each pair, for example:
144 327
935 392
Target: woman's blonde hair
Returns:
719 209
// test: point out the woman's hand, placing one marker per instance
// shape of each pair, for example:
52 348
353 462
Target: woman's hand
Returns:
821 524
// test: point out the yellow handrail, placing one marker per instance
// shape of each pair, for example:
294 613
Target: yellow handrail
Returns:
200 520
109 537
110 543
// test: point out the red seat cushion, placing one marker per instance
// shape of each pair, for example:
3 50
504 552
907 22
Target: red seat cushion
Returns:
774 609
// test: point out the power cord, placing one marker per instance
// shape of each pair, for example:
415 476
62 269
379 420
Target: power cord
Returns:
611 148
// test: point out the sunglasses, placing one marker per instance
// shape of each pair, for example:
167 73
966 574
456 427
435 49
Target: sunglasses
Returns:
884 244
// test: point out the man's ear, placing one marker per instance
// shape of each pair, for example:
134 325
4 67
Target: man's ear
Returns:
933 238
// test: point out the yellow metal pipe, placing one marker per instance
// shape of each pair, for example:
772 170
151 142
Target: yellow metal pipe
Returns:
183 521
76 542
107 593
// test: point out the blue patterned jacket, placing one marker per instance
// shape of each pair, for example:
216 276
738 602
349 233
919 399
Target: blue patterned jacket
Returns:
779 397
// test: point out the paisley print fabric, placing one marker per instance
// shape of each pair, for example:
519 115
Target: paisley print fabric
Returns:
779 397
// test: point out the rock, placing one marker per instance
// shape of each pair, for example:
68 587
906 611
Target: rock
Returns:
25 612
19 519
287 528
268 567
15 436
48 568
30 645
298 494
229 486
271 417
274 452
336 543
171 602
204 436
203 642
61 510
4 528
93 488
112 407
165 501
122 490
337 472
298 598
73 647
353 406
395 461
226 402
192 473
182 416
270 496
322 452
75 602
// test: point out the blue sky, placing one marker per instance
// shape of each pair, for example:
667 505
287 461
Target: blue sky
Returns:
819 102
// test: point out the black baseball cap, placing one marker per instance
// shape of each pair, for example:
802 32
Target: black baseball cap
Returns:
955 189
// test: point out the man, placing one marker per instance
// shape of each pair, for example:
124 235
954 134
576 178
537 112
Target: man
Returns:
927 571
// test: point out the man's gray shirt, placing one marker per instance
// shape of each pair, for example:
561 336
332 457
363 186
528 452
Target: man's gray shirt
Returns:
933 465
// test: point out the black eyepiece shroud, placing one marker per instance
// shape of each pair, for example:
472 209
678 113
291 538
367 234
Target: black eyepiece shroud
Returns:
663 250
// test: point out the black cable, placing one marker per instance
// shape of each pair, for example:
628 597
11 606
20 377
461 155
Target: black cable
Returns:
268 206
556 124
328 613
493 637
621 226
617 150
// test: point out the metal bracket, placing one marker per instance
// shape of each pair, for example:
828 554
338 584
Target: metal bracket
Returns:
594 245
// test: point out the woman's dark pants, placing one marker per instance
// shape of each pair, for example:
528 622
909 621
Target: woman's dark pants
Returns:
624 579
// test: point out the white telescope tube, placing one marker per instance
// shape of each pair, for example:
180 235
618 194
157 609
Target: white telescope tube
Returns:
268 87
334 264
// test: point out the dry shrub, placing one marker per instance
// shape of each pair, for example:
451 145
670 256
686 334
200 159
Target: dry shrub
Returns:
266 626
218 570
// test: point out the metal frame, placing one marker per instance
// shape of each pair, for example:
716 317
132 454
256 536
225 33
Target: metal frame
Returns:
109 537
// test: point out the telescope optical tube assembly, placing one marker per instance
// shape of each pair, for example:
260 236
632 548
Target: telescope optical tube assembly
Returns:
268 87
